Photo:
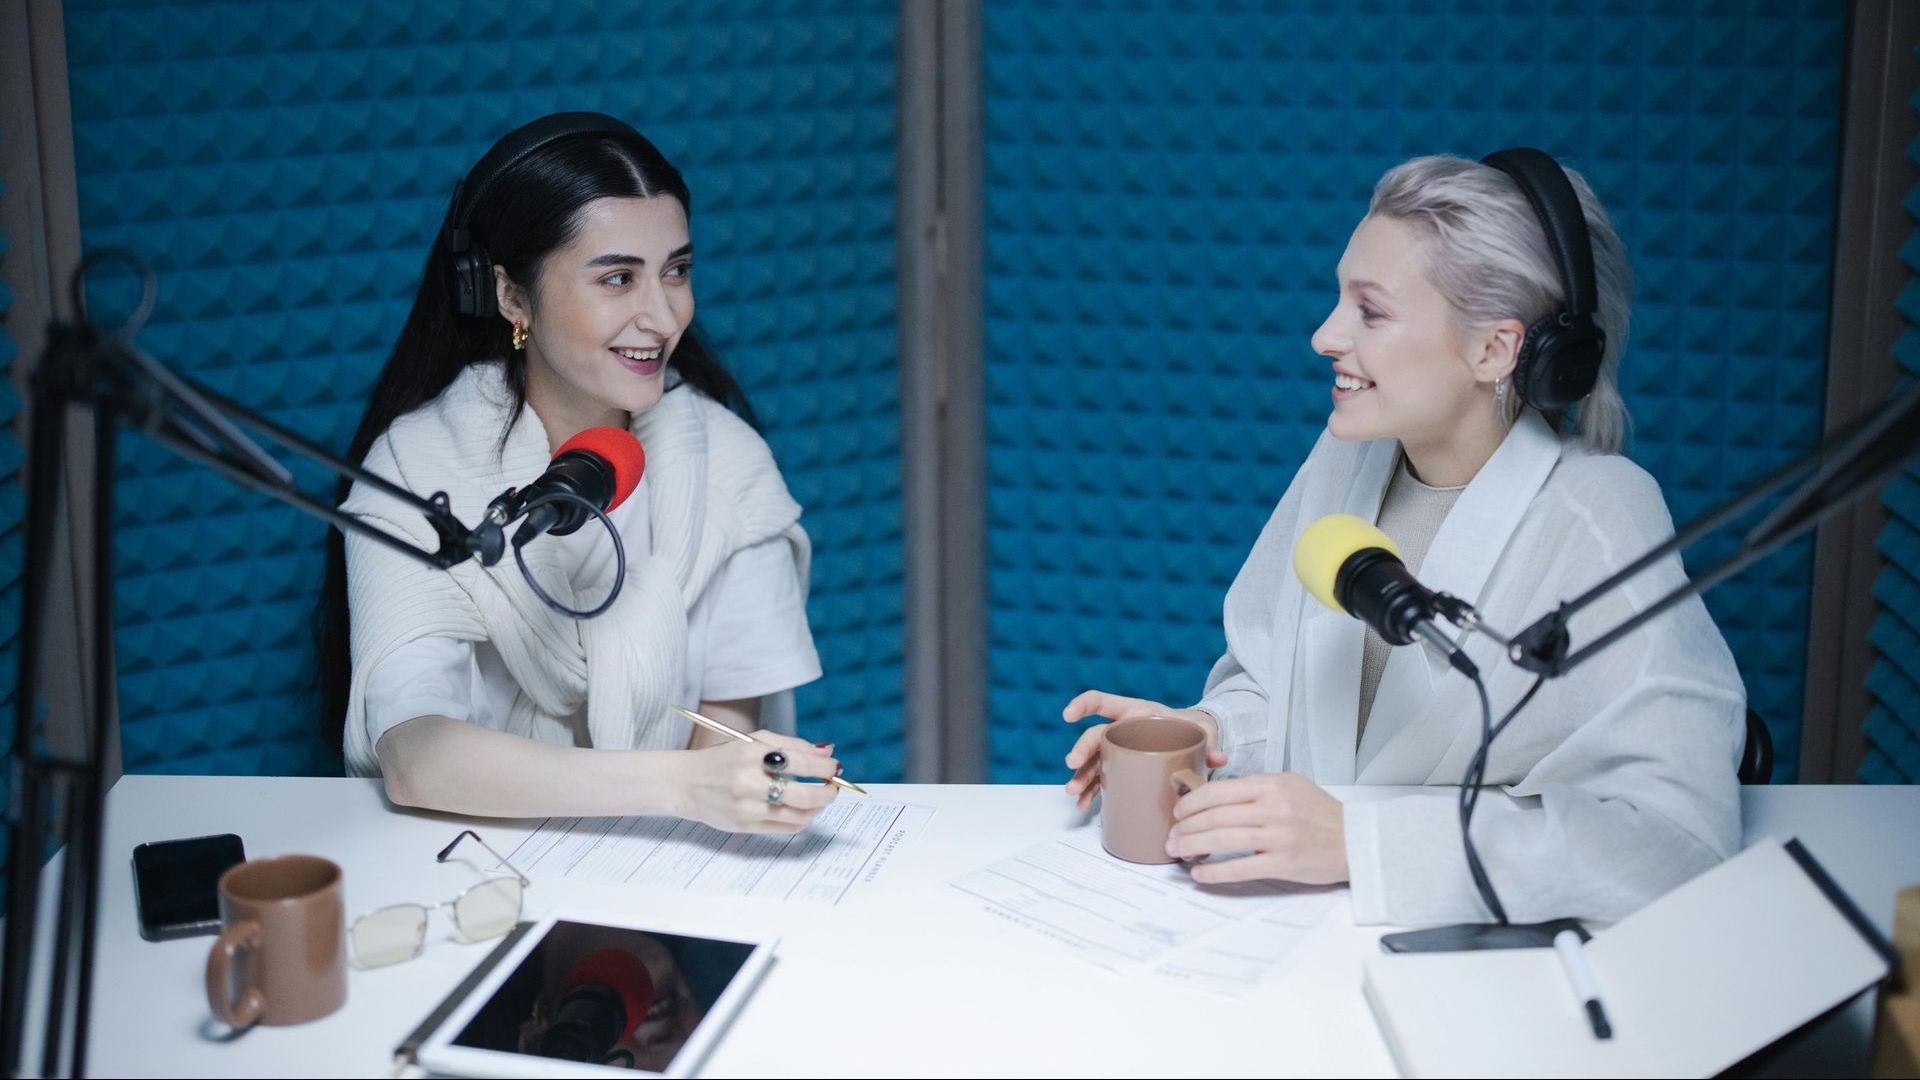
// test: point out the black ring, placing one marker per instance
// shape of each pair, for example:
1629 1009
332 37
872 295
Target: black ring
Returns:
775 761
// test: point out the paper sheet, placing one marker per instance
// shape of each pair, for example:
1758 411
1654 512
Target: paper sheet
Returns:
851 840
1129 918
1238 959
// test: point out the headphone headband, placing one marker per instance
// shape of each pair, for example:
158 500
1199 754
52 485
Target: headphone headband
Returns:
1545 184
513 148
472 266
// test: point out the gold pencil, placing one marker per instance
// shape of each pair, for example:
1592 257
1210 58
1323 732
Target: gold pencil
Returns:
719 728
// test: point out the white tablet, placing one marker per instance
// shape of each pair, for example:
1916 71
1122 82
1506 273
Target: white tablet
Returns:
582 995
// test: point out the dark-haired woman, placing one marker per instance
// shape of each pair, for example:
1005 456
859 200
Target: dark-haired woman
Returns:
462 689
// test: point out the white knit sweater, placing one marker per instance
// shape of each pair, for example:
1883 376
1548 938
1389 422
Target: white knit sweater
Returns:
713 489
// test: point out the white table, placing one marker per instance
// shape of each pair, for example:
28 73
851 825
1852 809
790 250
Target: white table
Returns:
906 976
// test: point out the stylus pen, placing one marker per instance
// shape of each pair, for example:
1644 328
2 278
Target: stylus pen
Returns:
719 728
1573 957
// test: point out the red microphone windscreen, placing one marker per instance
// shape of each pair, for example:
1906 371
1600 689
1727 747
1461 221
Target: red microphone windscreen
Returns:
623 973
618 448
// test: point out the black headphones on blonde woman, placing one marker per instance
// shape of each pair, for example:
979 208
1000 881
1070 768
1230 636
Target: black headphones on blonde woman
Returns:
1560 356
472 266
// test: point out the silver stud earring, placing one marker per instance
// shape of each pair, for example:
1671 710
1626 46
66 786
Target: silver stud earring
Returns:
1500 401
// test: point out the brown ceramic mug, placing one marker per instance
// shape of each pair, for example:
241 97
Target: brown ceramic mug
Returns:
286 917
1146 764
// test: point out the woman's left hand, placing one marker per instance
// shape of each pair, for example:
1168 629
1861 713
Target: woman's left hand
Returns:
1296 831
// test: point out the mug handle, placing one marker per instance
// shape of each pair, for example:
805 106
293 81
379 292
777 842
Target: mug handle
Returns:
244 1013
1185 781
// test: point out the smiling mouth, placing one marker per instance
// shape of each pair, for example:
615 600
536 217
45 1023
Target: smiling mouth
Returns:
1351 383
641 361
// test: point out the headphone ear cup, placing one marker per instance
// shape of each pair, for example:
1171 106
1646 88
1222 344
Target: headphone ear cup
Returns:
1526 363
473 282
1559 361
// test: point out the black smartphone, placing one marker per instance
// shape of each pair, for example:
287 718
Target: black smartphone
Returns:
176 884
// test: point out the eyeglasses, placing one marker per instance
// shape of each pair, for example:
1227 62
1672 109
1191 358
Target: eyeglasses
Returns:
398 932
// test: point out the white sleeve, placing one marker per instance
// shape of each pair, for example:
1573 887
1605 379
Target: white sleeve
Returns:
1234 695
430 676
758 641
1239 704
1641 798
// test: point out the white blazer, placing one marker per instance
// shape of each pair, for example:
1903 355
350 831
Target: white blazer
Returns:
1623 769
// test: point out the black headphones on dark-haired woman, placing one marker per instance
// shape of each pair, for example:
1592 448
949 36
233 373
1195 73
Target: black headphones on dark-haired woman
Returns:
1560 356
472 266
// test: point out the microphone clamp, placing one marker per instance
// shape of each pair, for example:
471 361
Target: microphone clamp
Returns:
488 540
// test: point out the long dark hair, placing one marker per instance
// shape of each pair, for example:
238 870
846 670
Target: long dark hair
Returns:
528 211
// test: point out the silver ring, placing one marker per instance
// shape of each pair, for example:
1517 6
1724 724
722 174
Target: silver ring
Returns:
776 787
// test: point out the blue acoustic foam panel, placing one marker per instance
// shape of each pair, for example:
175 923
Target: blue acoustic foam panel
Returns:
1893 722
1169 188
284 166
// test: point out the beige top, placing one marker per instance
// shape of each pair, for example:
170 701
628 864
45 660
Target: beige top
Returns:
1411 514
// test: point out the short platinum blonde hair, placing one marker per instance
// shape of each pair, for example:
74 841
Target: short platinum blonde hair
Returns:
1487 254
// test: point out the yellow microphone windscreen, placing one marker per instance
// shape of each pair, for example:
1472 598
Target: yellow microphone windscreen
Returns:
1325 547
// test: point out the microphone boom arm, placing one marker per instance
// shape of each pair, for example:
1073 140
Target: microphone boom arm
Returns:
58 791
1822 482
178 413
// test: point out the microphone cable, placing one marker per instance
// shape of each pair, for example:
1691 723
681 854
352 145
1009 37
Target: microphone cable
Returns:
1471 782
619 556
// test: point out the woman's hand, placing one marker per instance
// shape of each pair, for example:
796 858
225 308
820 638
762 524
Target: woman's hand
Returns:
726 786
1296 831
1084 758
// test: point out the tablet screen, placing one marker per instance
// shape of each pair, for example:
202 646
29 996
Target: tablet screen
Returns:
606 995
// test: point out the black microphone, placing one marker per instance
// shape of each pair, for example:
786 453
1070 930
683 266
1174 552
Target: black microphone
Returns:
600 465
1353 567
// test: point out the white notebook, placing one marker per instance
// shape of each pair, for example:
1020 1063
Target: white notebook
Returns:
1693 983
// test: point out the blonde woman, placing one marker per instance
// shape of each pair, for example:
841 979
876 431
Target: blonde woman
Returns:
1624 770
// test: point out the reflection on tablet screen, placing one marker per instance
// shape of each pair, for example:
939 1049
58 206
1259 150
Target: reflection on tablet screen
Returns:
606 995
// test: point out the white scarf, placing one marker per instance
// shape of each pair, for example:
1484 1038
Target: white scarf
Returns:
713 489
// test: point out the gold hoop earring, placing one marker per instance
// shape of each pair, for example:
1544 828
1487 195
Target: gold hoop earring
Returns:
519 336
